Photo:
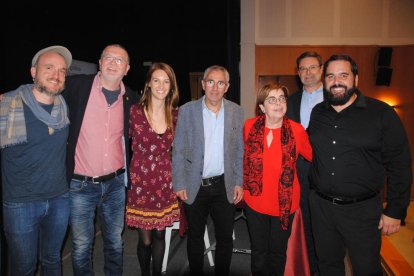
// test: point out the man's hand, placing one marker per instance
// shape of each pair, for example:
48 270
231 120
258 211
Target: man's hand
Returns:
389 225
238 194
182 195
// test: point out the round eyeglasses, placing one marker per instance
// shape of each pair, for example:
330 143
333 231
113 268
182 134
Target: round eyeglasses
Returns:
274 100
220 84
109 59
310 69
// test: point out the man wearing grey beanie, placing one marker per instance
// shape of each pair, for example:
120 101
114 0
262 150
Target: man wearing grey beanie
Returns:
33 130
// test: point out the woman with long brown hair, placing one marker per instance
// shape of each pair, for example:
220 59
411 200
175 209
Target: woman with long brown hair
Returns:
151 203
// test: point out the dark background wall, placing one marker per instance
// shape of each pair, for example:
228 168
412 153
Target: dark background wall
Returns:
189 35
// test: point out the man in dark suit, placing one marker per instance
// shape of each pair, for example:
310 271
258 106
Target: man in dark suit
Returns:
207 162
300 104
98 158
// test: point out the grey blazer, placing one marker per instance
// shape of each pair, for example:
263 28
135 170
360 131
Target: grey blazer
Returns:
188 148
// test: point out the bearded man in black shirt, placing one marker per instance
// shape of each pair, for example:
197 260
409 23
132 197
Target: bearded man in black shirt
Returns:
359 144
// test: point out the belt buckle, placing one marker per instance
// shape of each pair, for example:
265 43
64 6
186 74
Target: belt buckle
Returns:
207 184
93 180
336 201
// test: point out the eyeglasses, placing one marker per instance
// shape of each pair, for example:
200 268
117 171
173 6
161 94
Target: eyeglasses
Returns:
274 100
311 69
340 76
109 59
210 83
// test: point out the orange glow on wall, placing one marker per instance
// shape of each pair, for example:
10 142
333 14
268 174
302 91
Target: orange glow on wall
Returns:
390 97
392 101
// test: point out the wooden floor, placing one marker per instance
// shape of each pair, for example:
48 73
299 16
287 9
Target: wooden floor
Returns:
397 250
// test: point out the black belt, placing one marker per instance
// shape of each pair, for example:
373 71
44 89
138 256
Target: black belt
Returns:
205 182
98 179
345 201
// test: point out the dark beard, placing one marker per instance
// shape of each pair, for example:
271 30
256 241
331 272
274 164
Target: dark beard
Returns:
340 100
42 89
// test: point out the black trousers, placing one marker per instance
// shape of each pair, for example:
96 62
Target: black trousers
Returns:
211 200
268 243
353 227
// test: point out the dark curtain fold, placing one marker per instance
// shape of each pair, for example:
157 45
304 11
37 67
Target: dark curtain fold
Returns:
233 49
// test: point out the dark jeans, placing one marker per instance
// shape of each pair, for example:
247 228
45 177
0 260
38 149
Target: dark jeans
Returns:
353 227
109 200
210 200
268 243
3 247
36 230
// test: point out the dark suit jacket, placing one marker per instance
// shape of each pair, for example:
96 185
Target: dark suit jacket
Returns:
302 166
293 106
76 94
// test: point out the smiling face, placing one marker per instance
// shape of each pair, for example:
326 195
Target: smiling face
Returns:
340 82
160 85
310 73
215 85
49 74
274 106
114 64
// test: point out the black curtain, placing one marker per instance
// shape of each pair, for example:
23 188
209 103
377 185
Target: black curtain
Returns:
233 49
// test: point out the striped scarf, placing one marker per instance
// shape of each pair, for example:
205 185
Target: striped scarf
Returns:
12 121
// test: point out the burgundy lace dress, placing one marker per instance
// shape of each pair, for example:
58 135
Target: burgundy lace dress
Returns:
151 202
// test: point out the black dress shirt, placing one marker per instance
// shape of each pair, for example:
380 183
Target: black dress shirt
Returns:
358 150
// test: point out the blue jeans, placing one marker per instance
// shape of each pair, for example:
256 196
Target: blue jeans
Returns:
109 198
34 228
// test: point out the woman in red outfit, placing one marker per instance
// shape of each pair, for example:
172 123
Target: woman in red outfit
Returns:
272 145
151 203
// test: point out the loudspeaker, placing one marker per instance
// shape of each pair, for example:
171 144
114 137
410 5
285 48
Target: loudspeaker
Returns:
384 76
384 57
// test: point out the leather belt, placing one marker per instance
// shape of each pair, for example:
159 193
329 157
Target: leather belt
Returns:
345 201
206 182
98 179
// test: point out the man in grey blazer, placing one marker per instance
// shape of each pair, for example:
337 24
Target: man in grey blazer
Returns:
207 167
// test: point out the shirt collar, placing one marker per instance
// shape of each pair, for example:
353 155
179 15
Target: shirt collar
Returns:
317 91
205 106
98 83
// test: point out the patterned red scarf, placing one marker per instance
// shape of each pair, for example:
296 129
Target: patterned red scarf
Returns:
253 165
